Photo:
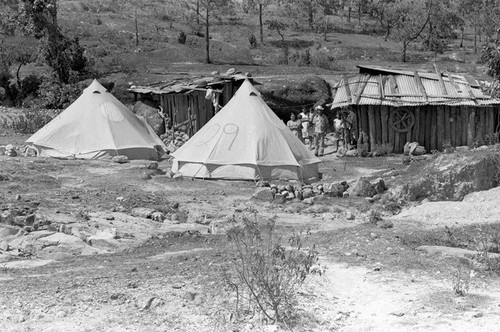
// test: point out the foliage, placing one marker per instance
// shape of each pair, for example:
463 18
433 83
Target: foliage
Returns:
182 38
278 26
65 55
252 40
462 278
265 272
29 122
57 95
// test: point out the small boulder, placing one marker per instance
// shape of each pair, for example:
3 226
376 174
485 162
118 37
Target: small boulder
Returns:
120 159
279 199
307 193
362 187
264 194
151 165
142 212
379 186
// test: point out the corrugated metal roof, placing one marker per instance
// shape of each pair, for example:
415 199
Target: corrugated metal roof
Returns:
375 86
186 85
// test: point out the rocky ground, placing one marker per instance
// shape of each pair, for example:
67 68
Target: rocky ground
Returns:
100 246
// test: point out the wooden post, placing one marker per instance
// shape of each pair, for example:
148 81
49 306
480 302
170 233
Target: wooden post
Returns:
421 133
471 127
428 128
420 85
480 114
459 133
447 127
433 113
371 127
391 133
378 125
453 126
464 110
416 126
440 126
384 116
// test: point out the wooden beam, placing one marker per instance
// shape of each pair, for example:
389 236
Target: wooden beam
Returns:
420 85
361 88
452 81
471 94
381 86
393 84
347 89
440 78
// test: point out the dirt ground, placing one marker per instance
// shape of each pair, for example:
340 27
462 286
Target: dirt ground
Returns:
138 274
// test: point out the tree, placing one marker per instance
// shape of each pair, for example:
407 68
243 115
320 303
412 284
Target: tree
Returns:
208 10
260 5
65 55
412 17
278 26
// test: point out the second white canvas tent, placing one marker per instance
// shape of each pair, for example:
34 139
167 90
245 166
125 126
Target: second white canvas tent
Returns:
246 140
97 126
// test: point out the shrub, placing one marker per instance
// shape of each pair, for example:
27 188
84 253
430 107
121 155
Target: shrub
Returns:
57 95
252 40
182 38
29 122
266 273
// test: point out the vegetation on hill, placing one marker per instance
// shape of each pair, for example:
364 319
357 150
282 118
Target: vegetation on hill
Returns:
46 45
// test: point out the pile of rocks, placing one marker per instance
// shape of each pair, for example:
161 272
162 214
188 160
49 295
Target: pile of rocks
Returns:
307 193
8 150
174 139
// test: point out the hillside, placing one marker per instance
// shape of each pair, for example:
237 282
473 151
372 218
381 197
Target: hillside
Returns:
107 30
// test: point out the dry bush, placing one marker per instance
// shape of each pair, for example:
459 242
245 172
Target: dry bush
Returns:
266 274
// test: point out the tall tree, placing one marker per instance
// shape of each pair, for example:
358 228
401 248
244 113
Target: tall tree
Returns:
208 11
65 55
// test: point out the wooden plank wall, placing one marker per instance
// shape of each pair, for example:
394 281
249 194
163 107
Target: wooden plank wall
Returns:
434 126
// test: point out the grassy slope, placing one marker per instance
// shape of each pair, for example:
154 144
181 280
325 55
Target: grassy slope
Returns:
107 29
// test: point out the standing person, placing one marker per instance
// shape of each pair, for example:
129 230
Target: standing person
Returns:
294 125
338 131
320 122
307 128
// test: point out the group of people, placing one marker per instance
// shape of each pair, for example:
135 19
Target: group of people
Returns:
310 126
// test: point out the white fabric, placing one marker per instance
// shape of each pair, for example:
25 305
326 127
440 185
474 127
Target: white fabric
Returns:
97 126
247 133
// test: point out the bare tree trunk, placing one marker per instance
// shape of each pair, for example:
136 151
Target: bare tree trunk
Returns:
326 29
360 5
198 12
349 9
403 56
475 39
136 29
261 25
207 36
310 17
462 36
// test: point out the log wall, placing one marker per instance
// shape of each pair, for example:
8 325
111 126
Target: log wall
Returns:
433 126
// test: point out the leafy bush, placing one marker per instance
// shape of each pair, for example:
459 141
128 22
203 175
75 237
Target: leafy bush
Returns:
252 40
265 272
182 38
30 121
57 95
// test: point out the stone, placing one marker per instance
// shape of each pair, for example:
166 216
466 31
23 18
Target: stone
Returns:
308 201
307 193
298 194
158 216
289 188
352 153
149 111
379 185
385 224
120 159
142 212
262 184
279 199
263 194
4 245
335 190
345 194
363 188
146 175
151 165
350 216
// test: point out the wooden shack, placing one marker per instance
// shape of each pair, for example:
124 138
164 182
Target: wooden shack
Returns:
393 107
185 101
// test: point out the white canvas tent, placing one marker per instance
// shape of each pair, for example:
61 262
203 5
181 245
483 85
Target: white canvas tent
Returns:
97 126
246 140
